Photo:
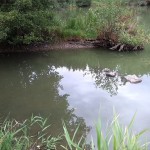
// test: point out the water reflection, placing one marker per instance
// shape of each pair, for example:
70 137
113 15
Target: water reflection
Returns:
32 88
109 84
70 85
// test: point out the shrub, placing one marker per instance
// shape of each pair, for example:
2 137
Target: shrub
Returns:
26 21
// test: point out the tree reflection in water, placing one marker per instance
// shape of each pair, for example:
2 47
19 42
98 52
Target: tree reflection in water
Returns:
109 84
33 88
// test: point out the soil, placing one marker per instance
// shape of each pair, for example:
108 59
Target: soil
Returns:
72 44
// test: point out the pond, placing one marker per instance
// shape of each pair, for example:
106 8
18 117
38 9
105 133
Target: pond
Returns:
69 85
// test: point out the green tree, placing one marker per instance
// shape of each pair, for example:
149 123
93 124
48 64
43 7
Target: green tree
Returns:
26 21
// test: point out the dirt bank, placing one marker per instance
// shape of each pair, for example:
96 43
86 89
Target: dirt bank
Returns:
47 47
72 44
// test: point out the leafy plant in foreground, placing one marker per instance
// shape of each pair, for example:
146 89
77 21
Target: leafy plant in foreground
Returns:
17 136
117 138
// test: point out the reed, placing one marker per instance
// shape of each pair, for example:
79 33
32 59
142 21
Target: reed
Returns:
17 136
110 20
117 137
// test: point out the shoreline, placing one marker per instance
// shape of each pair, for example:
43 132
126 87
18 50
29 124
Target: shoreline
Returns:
72 44
48 47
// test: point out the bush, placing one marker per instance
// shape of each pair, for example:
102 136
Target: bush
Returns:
26 21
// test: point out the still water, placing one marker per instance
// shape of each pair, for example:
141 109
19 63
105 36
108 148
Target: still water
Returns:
69 85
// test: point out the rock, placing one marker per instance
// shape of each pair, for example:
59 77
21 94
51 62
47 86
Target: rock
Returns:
110 74
106 70
133 79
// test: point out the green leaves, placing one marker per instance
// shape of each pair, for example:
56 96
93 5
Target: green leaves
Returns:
117 137
26 22
17 136
71 141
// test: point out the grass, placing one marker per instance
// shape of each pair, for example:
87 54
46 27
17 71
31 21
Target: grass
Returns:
17 136
105 19
117 138
109 20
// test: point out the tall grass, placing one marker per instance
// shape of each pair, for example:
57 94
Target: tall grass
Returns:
105 19
17 136
117 137
32 134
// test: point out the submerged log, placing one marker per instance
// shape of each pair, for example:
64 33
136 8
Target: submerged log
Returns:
116 46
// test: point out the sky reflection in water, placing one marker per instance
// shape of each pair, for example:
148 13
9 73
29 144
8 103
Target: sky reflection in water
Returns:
90 101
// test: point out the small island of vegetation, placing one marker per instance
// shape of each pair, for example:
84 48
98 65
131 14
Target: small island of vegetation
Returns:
110 24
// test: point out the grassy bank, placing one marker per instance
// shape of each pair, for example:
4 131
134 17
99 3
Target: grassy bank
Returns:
111 22
17 136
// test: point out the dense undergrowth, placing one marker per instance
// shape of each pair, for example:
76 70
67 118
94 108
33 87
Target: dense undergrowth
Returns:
33 134
34 21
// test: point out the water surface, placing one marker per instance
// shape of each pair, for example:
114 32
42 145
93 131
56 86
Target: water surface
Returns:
70 85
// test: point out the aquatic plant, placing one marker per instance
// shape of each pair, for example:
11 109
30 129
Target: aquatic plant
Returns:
17 136
116 137
33 133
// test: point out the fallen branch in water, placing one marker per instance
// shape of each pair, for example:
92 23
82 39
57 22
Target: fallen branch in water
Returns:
116 46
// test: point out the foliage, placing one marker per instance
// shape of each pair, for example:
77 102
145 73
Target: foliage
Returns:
26 21
108 20
34 134
71 141
33 21
17 136
117 138
82 24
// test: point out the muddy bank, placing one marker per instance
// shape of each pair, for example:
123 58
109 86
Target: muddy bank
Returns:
116 46
47 46
72 44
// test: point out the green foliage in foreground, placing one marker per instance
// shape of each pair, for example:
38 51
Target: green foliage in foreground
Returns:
34 134
17 136
117 138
